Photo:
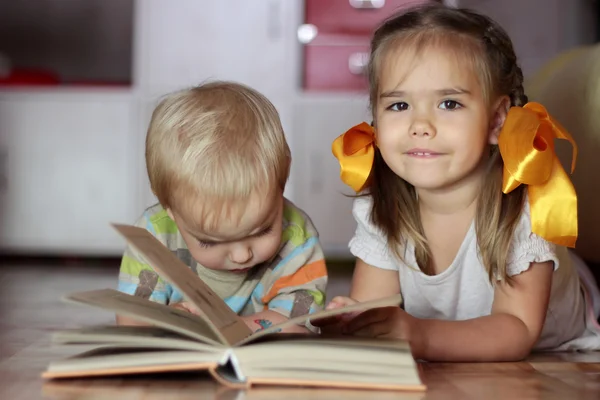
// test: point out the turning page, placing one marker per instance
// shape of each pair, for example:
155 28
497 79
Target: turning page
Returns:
170 318
228 326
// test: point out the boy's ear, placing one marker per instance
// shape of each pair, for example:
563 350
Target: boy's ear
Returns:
499 112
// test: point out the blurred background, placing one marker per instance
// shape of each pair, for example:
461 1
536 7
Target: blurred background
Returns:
79 79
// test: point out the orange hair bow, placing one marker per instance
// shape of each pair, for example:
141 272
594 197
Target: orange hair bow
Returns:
355 150
526 143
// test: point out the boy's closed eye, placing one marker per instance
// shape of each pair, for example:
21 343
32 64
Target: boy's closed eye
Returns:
211 243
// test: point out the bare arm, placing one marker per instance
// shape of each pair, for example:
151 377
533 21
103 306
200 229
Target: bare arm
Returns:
508 334
371 283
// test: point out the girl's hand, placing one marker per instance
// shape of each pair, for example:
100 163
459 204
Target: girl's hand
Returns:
385 322
335 324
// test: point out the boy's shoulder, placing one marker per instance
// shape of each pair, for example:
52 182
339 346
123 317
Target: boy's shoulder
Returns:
156 220
297 225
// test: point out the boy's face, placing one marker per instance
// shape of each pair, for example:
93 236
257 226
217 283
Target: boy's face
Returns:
243 236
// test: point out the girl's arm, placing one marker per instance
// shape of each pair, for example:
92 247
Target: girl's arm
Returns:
508 334
371 283
368 283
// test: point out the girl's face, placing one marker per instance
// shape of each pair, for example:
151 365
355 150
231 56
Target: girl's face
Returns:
433 124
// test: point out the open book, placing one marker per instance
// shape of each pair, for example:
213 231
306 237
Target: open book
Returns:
218 340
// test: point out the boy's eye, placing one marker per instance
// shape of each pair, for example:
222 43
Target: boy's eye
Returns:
265 231
450 105
400 106
205 245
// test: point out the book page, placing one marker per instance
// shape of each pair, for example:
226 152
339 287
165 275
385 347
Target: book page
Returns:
229 327
121 360
367 305
132 336
144 310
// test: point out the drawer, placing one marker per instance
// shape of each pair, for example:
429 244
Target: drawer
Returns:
335 68
351 16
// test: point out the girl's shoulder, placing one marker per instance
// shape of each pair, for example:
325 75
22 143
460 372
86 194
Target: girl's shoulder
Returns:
361 208
361 211
527 247
369 243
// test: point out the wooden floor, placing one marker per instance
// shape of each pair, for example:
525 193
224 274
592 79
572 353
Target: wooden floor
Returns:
31 309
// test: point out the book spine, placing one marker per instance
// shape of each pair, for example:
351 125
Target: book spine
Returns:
235 365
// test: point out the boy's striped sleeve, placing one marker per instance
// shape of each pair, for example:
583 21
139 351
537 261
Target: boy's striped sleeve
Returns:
138 278
298 281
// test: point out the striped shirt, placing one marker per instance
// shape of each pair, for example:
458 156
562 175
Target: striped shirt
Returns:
292 283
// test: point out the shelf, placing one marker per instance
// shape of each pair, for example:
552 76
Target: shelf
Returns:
67 42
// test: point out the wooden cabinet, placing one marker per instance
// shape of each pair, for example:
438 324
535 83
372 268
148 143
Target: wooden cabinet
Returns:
337 35
351 17
336 67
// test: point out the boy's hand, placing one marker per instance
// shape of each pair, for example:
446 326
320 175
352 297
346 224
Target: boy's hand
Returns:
185 306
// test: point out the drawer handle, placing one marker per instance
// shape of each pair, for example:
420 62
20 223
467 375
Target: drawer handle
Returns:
306 33
369 4
357 62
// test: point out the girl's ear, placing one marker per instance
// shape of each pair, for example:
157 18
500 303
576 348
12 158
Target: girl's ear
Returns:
499 112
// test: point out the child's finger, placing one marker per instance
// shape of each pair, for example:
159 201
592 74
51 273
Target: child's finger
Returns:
185 307
339 301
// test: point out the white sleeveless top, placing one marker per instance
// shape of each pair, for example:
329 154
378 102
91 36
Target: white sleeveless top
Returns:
463 290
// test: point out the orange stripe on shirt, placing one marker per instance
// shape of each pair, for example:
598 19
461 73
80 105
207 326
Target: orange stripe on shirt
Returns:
307 273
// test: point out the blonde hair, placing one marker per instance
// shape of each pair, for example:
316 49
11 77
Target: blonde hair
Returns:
222 141
489 50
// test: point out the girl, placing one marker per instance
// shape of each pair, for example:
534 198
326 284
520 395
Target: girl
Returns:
463 207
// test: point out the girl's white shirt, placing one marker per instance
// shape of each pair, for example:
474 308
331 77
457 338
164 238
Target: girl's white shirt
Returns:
463 290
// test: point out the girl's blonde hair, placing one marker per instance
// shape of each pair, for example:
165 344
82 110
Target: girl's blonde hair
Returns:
221 141
489 49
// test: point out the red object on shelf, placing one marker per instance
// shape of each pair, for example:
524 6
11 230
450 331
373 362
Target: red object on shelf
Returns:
34 77
30 77
98 83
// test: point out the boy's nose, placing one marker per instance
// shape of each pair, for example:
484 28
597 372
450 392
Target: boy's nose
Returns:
240 254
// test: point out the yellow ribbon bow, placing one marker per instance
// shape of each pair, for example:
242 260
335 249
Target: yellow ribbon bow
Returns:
355 151
526 144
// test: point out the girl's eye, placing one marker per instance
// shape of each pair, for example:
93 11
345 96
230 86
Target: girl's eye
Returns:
401 106
450 105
